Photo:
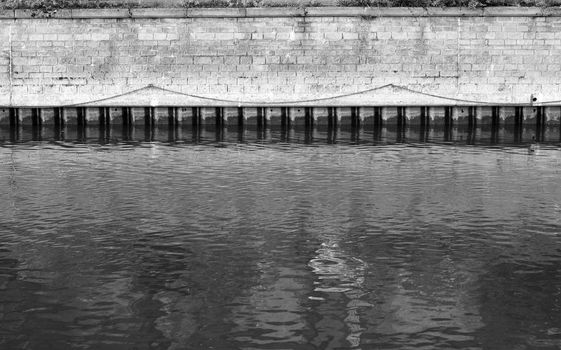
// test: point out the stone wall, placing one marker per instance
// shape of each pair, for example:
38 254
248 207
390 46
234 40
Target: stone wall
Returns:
310 56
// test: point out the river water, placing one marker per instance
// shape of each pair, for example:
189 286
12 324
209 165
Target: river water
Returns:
267 244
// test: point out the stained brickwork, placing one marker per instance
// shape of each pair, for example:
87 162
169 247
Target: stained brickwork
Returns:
59 61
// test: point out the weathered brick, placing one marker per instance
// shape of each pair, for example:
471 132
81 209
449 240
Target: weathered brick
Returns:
224 36
333 36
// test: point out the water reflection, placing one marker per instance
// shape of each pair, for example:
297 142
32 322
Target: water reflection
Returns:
202 241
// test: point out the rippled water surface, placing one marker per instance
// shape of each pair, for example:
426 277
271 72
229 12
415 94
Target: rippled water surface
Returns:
274 245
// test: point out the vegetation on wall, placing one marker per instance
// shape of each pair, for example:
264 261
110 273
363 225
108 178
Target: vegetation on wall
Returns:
248 3
448 3
53 5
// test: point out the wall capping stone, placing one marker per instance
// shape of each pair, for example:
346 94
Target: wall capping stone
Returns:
7 14
276 12
283 12
159 13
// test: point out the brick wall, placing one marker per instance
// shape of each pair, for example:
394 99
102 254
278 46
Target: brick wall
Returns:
272 55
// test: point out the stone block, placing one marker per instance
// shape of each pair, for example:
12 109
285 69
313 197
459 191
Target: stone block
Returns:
333 36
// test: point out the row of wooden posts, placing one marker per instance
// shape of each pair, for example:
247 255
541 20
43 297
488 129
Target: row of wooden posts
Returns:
288 117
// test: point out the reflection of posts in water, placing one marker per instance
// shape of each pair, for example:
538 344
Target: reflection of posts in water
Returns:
14 124
36 124
448 122
59 123
424 124
355 125
270 316
540 124
340 274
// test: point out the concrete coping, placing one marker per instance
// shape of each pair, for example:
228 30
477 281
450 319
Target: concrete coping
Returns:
283 12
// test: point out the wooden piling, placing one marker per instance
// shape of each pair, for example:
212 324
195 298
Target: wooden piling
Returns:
401 122
80 117
14 117
354 119
36 118
240 117
284 118
447 118
219 117
330 117
471 118
260 118
495 118
58 117
196 112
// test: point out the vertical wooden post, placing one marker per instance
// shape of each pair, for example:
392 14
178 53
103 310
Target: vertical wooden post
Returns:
35 119
14 117
57 117
101 117
80 118
218 117
447 118
401 119
284 116
377 118
13 114
240 117
172 117
196 112
518 118
471 118
495 118
147 117
330 118
355 122
125 116
259 117
307 121
540 123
